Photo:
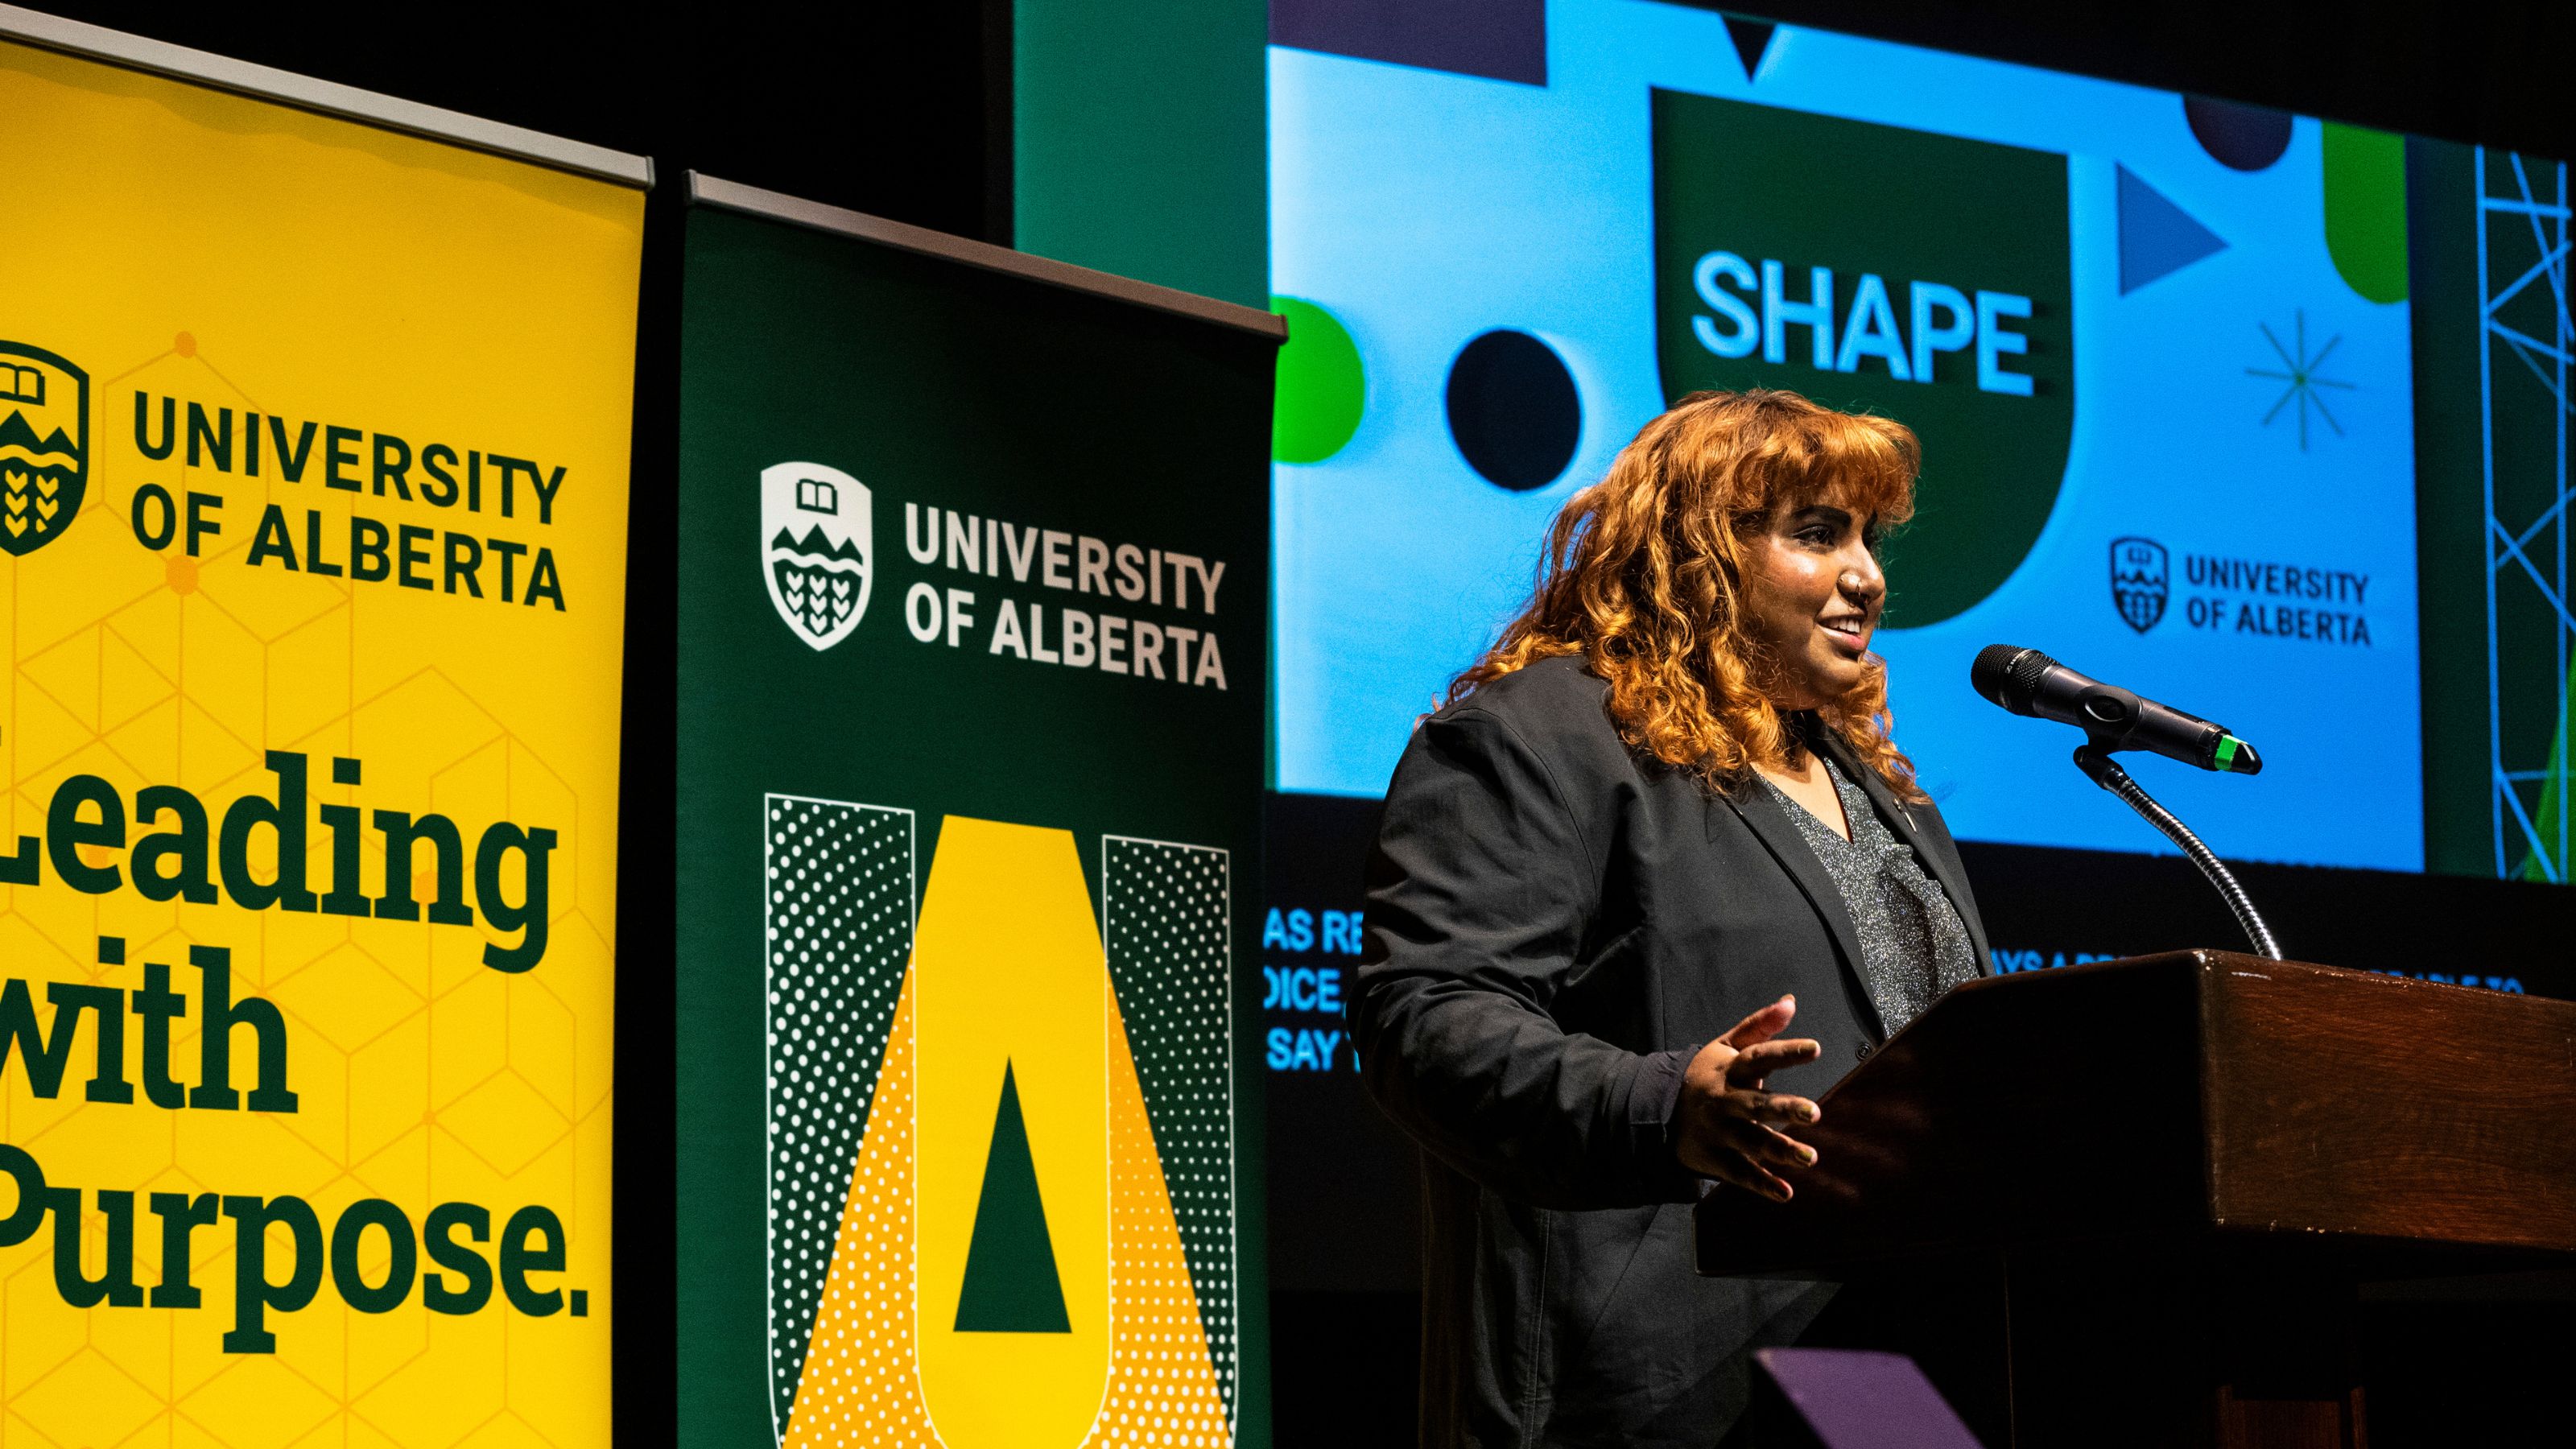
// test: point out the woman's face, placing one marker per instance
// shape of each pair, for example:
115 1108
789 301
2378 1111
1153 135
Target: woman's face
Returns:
1812 596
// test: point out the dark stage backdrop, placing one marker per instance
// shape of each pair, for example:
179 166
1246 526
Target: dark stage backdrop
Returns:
908 112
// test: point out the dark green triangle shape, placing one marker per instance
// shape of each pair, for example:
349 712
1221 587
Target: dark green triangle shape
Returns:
1011 1284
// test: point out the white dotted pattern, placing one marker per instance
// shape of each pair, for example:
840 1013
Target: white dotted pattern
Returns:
839 897
863 1384
1170 1379
1169 942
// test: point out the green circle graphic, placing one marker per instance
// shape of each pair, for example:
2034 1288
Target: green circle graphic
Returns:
1321 385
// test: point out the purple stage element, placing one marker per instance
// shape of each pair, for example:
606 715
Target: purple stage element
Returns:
1854 1400
1497 39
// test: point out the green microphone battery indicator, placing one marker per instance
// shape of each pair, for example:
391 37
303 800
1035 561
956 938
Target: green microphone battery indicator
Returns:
2235 757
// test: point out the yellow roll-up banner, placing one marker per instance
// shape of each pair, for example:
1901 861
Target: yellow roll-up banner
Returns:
313 489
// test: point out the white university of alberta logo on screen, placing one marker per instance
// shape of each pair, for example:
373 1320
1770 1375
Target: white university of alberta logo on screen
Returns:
816 549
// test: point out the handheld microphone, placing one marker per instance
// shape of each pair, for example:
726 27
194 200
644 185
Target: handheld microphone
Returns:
2026 681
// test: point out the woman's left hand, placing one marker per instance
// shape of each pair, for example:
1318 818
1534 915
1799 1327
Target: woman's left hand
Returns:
1729 1126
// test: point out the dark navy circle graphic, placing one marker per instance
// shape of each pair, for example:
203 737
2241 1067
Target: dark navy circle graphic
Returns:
1513 410
2242 138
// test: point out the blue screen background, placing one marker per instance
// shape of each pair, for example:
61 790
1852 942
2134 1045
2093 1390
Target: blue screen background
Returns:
1423 208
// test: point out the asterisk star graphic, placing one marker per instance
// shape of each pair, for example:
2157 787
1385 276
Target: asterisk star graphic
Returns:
2301 378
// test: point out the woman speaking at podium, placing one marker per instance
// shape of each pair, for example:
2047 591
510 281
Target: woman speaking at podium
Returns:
1661 818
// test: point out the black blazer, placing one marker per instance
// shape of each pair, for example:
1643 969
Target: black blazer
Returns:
1555 926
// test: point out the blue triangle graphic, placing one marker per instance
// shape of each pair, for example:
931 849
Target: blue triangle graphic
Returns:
2157 238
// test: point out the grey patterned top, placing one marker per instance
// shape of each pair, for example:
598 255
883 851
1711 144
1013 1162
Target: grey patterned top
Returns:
1913 946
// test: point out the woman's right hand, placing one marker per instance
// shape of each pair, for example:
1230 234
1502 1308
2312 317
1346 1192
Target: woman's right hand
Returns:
1728 1125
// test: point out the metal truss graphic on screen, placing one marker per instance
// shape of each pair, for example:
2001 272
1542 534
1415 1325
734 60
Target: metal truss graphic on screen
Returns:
2523 360
1001 1137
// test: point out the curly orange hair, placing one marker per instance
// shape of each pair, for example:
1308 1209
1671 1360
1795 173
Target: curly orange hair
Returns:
1643 577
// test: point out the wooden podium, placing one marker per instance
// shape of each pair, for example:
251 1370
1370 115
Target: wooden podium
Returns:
2179 1169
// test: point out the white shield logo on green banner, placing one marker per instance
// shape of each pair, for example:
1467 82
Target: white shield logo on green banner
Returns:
816 549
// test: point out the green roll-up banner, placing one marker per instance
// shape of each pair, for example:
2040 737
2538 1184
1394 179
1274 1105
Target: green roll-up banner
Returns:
973 617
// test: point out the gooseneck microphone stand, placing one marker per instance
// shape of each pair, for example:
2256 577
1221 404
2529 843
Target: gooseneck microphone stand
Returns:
2094 759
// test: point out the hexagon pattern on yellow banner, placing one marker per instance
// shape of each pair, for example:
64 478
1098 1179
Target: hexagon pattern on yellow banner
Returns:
249 290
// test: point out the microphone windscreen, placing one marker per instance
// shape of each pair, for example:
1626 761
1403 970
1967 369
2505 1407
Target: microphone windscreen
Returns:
2006 674
1993 667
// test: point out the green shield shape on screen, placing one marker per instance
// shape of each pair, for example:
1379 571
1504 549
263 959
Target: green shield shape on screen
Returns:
1880 269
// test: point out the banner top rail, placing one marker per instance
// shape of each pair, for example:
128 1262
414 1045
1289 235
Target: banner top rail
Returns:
330 98
778 206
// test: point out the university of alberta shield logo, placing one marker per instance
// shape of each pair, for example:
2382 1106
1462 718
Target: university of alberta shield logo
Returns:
44 446
816 549
2140 581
